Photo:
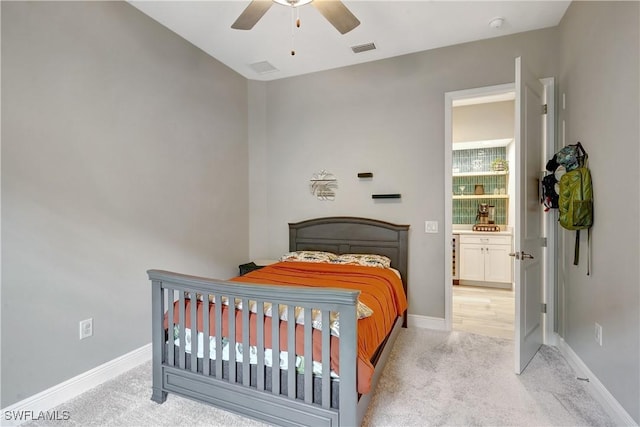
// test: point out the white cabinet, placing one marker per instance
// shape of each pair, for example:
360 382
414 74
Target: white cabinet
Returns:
485 258
471 262
497 263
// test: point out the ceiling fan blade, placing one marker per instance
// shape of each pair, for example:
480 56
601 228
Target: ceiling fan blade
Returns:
337 14
252 14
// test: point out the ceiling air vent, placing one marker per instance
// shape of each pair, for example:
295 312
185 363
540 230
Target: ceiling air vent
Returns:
263 67
363 47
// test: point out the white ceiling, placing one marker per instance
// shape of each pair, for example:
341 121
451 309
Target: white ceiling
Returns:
396 28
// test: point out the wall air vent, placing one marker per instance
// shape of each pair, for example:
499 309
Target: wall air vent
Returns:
263 67
363 47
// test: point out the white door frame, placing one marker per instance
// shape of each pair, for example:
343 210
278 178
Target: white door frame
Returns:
550 252
550 220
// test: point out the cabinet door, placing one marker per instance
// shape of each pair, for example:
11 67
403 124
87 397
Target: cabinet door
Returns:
471 262
497 263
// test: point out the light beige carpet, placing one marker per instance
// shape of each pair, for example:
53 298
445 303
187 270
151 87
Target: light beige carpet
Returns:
432 378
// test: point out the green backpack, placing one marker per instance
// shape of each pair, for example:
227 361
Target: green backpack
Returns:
575 204
575 199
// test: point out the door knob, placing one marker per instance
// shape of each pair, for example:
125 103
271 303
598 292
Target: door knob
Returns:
525 255
521 255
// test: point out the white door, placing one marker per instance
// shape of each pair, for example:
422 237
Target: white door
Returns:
528 254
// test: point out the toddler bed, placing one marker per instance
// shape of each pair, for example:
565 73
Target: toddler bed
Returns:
228 343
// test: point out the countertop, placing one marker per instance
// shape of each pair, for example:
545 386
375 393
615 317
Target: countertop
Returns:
495 233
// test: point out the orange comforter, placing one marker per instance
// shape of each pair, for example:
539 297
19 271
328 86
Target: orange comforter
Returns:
381 290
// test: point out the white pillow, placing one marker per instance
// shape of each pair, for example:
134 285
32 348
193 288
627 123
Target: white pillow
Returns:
309 256
369 260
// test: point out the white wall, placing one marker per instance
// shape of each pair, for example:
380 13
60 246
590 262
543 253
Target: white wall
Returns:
480 122
124 148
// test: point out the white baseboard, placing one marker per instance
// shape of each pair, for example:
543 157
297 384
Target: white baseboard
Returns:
596 388
37 405
426 322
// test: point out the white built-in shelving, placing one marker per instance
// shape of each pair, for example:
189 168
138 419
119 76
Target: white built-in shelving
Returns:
481 173
481 196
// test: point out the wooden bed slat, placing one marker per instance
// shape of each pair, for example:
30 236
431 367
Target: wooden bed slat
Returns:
206 351
275 349
231 311
171 297
246 377
291 351
218 331
181 322
260 344
308 356
194 332
326 360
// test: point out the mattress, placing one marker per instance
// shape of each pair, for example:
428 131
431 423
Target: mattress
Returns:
240 352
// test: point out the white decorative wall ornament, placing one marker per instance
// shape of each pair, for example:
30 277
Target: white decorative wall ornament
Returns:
323 185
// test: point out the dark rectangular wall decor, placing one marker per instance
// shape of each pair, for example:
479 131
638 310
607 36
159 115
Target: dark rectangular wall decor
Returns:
365 175
385 196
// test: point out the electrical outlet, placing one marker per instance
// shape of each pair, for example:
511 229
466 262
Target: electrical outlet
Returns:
86 328
598 334
431 226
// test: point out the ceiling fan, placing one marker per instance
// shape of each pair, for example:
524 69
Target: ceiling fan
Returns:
333 10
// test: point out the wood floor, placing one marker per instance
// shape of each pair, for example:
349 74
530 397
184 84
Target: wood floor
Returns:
483 311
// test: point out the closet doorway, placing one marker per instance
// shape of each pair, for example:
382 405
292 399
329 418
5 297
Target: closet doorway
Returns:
483 184
533 234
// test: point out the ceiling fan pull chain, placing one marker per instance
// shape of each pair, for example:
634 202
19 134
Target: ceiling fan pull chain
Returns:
294 22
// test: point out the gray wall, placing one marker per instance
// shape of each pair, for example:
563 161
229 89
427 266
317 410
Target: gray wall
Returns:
385 117
599 77
120 152
124 148
494 120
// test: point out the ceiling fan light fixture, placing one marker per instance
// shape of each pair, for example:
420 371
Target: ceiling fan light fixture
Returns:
334 11
293 3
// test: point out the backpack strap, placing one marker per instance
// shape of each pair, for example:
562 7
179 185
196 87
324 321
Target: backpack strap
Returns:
576 250
583 157
588 251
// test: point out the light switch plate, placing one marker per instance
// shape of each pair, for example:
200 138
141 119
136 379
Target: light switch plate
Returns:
431 226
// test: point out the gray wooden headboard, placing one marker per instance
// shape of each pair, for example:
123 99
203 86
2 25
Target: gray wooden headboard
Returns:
344 234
